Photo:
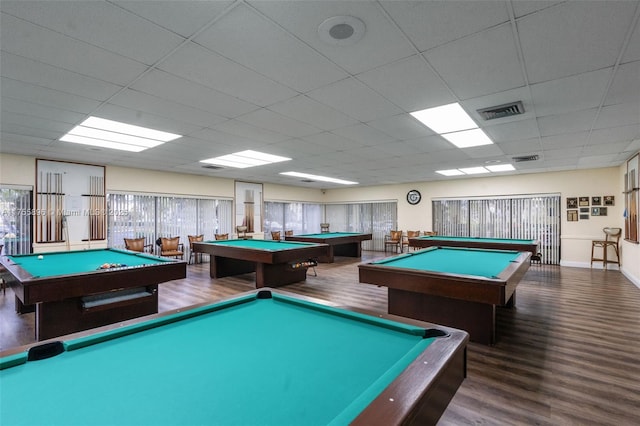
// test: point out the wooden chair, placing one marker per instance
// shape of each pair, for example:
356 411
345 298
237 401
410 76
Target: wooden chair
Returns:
393 239
611 239
275 235
171 247
430 233
288 233
324 228
192 253
138 244
405 239
221 236
242 232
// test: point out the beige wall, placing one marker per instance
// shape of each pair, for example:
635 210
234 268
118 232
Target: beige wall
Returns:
575 236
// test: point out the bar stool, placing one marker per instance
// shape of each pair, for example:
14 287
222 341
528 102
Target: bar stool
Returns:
611 239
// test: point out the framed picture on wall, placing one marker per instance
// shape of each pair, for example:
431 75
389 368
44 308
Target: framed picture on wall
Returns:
609 200
584 216
595 211
572 215
596 201
572 202
583 201
584 209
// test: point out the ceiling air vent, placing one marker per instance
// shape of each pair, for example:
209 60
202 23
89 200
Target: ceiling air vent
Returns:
502 111
525 158
212 167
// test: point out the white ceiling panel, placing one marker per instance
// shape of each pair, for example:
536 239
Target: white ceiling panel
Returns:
269 49
409 83
100 24
551 38
309 111
37 43
432 23
483 63
234 75
212 70
179 16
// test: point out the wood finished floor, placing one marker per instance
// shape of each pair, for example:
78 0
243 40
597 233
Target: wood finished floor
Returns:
568 354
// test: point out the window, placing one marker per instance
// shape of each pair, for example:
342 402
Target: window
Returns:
15 220
531 217
301 218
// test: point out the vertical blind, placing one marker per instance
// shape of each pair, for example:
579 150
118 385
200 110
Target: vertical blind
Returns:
151 217
534 217
301 218
16 220
377 218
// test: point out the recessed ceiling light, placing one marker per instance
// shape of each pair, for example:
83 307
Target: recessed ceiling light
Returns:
100 132
501 168
244 159
468 138
445 118
450 172
319 178
474 170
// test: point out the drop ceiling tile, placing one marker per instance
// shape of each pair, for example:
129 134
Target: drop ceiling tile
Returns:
100 24
168 86
612 148
269 50
278 123
618 115
26 70
382 42
515 130
37 43
181 17
310 111
196 63
249 131
521 147
551 38
632 53
364 134
144 119
401 127
143 102
432 23
614 134
575 93
14 89
571 122
480 64
41 111
625 87
564 141
409 83
355 100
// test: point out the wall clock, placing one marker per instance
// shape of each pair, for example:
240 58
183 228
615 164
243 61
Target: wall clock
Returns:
413 197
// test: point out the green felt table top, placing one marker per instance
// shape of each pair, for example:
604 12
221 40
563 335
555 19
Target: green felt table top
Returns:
454 260
328 235
476 239
250 361
81 261
269 245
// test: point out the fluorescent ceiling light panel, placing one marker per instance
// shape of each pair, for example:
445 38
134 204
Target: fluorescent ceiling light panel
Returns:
244 159
445 118
101 143
501 167
319 178
450 172
468 138
128 129
474 170
111 134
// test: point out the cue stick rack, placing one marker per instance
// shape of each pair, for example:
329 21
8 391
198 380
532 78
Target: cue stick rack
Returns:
71 203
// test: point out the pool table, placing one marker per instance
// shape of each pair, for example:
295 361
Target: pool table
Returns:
340 243
475 242
458 287
265 357
71 293
275 263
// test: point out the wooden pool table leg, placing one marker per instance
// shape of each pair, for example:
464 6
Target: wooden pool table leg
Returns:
478 319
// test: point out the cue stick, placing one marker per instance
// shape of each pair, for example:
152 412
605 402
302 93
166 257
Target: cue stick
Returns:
48 206
40 206
60 202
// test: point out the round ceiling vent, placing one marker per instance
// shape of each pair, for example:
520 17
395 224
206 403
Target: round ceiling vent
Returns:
341 30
